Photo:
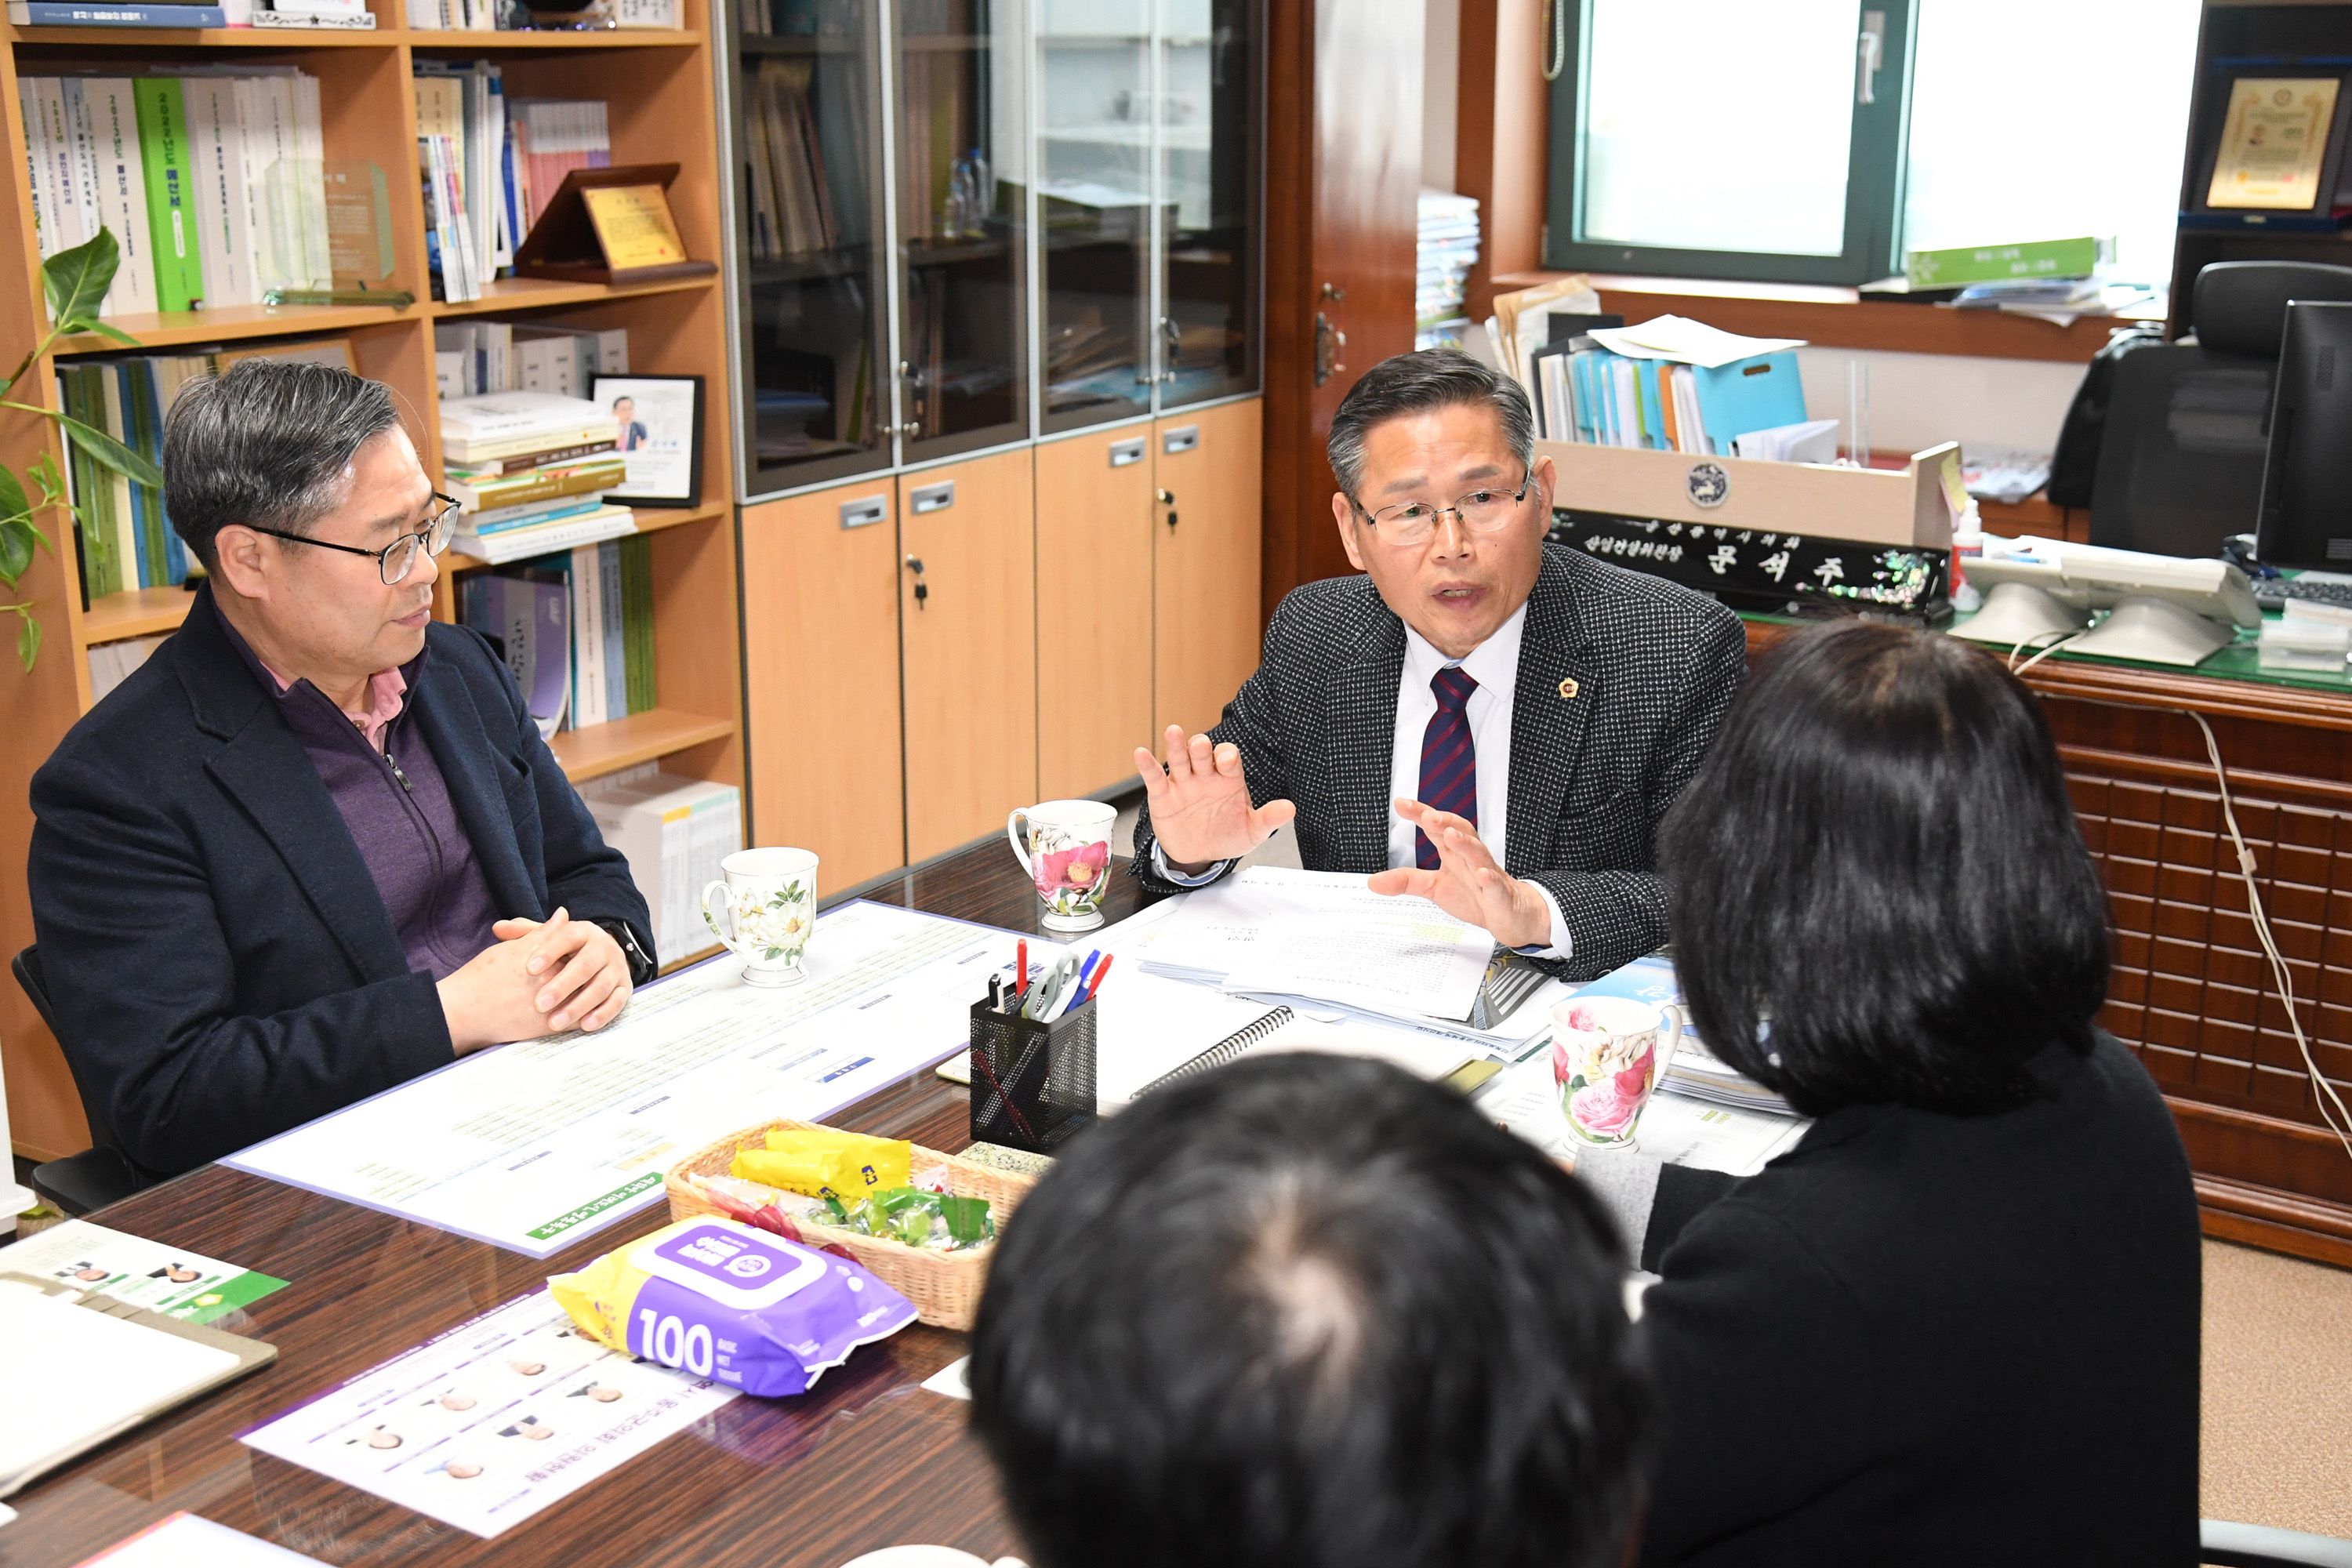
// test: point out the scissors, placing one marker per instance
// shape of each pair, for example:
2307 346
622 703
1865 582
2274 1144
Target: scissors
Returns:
1060 979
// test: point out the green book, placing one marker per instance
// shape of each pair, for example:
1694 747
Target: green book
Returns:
1995 263
170 168
103 561
637 619
146 505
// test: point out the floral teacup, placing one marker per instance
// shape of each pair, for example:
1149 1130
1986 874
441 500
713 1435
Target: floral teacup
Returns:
1065 845
1607 1055
770 902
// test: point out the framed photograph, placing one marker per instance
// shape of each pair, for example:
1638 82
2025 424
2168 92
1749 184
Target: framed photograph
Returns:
659 431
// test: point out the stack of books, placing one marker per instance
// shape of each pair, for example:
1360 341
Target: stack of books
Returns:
470 358
675 832
530 470
212 184
576 628
126 536
488 164
345 15
1446 248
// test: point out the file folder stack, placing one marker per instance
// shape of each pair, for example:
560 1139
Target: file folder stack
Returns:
1666 385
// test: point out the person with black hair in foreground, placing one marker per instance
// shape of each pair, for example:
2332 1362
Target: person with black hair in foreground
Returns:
1958 1323
1311 1312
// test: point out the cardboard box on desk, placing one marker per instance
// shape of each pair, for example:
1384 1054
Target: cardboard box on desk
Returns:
1781 538
1902 507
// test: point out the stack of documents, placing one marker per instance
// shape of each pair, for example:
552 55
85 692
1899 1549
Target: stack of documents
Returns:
1445 246
1669 385
1329 947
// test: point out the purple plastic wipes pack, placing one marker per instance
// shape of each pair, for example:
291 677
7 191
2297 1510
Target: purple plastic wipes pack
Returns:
728 1302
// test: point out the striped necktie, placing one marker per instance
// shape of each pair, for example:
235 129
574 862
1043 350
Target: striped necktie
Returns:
1449 759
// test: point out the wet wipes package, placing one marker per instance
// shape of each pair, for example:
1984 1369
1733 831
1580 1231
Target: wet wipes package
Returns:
726 1300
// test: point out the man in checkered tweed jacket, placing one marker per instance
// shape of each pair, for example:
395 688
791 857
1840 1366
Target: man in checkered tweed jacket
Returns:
1484 719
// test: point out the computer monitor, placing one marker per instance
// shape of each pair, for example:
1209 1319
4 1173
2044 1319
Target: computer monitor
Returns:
2305 518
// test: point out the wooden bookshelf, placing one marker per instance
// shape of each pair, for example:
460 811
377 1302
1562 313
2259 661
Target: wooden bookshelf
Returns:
658 87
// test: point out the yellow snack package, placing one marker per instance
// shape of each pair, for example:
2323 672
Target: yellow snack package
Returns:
823 1163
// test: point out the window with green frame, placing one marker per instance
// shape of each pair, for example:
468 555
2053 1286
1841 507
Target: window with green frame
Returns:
1812 140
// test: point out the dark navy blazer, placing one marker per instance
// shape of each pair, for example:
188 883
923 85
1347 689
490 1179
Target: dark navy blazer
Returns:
218 955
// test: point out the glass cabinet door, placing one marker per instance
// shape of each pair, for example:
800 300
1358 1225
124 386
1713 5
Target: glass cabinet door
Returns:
810 274
962 201
1095 99
1210 121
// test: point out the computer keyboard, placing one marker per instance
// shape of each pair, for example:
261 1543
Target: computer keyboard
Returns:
2313 587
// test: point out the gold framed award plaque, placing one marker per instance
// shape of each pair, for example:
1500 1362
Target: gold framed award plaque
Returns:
2276 137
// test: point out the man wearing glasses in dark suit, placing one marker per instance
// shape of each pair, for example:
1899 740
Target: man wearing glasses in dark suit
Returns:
315 845
1482 718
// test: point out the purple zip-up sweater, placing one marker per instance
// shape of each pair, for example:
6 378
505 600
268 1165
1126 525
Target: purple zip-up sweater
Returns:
397 806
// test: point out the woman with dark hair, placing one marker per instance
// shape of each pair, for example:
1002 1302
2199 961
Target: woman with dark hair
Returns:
1958 1321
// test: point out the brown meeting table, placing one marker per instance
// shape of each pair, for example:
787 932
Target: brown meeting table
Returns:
864 1460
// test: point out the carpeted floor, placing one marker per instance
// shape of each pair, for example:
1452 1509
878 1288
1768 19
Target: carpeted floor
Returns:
2278 1390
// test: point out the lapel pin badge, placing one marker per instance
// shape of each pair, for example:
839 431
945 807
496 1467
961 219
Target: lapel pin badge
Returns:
1567 687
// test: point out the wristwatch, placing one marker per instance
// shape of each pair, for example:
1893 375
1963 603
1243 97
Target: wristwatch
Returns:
641 964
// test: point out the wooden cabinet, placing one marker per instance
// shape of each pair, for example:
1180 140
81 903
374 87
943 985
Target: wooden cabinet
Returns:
821 672
969 647
1094 521
1205 560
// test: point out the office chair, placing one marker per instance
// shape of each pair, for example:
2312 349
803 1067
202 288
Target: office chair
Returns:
98 1175
2232 1545
2180 463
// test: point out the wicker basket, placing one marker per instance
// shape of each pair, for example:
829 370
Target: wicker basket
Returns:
945 1287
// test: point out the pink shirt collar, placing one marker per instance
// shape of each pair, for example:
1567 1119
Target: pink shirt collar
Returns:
387 691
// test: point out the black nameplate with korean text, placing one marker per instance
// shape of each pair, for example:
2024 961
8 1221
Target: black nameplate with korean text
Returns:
1771 573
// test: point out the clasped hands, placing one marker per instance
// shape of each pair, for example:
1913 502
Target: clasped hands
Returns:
1201 814
540 977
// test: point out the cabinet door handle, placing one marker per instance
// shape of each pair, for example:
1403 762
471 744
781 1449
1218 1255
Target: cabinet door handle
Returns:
865 511
1183 439
1331 345
1127 454
931 498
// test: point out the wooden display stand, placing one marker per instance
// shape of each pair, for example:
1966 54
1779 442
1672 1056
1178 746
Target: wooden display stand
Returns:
573 242
658 89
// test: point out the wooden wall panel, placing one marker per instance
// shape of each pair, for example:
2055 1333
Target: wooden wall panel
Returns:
1501 142
1343 181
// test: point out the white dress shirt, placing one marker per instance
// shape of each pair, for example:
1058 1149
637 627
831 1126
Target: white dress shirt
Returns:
1495 665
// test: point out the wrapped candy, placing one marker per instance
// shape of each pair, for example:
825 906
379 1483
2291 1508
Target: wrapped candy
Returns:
942 1221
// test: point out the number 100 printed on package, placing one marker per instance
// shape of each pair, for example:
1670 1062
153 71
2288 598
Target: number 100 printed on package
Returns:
493 1421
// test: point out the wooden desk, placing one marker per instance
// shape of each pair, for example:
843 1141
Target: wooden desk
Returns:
2192 991
866 1460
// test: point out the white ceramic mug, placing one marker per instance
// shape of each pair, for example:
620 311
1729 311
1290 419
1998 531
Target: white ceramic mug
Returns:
1608 1054
770 902
1065 845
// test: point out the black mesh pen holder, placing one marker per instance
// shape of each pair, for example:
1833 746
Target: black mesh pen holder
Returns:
1032 1085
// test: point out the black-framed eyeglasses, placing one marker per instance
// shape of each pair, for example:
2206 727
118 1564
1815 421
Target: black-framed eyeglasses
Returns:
1480 512
396 560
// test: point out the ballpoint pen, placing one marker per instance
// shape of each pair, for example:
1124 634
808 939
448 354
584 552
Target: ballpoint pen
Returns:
1100 975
